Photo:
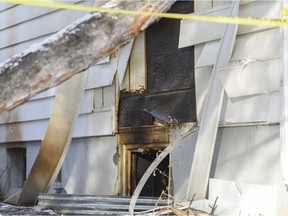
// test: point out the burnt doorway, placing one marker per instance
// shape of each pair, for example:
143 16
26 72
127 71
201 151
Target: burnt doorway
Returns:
138 147
158 181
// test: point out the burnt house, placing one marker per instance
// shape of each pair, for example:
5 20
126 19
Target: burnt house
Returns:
209 96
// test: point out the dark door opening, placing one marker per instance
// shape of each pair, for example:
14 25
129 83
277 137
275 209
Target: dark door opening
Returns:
158 182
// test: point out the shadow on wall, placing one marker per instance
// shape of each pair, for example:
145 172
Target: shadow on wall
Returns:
89 167
245 152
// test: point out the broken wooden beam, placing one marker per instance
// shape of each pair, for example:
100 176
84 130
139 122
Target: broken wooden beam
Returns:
72 50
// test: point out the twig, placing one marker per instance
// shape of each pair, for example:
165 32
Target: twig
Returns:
213 208
161 172
3 171
191 203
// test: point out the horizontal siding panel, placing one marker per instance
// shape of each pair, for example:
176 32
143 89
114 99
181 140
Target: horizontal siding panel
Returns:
10 51
246 109
89 86
250 106
93 124
209 54
90 80
191 32
260 46
45 94
266 9
37 27
101 75
22 13
5 6
274 107
250 77
41 109
249 46
28 131
34 110
94 100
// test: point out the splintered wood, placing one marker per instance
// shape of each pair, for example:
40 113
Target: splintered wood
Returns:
72 50
179 211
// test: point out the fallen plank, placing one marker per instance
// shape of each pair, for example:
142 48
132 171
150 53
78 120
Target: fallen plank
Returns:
56 141
209 122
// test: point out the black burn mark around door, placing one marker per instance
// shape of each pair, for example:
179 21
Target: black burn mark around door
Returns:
131 111
170 94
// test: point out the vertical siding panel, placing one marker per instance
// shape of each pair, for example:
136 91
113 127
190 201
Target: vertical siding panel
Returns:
137 63
126 80
108 96
32 151
98 98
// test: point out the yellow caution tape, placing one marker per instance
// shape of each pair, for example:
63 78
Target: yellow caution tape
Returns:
219 19
284 12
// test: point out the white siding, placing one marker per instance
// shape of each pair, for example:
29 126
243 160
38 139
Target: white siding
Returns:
248 154
181 160
20 16
251 154
22 26
5 6
32 152
8 52
267 9
27 30
262 48
90 166
135 76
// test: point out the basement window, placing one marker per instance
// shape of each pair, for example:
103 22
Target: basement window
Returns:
17 161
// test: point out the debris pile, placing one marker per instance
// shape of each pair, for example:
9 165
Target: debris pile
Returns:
185 208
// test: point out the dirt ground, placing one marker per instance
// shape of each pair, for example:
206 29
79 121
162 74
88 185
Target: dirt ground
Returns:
6 209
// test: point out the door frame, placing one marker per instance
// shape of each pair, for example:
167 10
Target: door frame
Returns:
131 140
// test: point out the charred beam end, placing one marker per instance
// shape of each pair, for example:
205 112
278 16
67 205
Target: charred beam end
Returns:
72 50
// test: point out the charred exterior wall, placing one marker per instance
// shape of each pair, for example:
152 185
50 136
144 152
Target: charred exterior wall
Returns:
170 93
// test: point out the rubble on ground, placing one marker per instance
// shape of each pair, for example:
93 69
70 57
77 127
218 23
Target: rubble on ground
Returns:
7 209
